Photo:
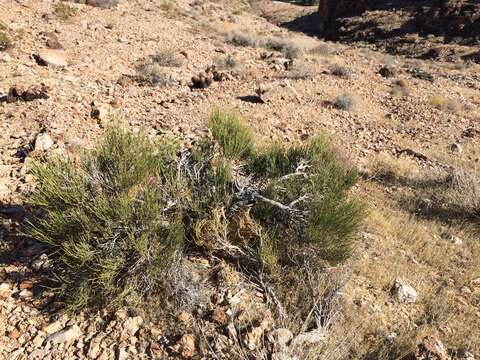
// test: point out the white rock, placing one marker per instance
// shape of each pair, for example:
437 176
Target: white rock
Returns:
283 356
280 337
403 292
43 142
131 325
309 338
52 58
67 334
5 290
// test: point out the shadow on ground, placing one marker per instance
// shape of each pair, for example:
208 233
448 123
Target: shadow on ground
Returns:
23 260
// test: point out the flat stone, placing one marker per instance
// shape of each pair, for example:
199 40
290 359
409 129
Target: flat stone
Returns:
43 142
51 58
65 335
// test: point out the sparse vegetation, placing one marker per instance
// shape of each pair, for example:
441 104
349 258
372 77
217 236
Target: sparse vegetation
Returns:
460 194
441 103
64 11
167 57
340 71
153 75
5 41
118 219
344 102
286 46
227 62
242 38
400 88
235 138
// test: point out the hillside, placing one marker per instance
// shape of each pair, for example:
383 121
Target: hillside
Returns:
409 123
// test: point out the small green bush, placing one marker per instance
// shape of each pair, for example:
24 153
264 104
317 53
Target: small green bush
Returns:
234 137
106 219
64 11
312 177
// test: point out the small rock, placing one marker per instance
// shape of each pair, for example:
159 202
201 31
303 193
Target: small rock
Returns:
14 334
403 292
40 263
121 354
131 325
185 346
51 58
431 348
219 316
452 238
466 291
100 112
67 334
456 148
52 327
184 317
283 356
43 142
25 294
52 41
5 290
309 338
280 338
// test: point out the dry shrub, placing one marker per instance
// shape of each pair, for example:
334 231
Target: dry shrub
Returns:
460 194
441 103
64 11
286 46
243 38
344 102
400 88
387 167
153 75
167 57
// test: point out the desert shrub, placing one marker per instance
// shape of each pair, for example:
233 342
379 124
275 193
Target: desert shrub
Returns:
441 103
344 102
153 75
314 183
460 194
227 62
5 41
107 219
235 138
64 11
288 47
120 216
400 88
323 50
242 39
340 71
168 58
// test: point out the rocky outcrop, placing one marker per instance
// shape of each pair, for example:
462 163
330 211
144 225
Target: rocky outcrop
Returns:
402 26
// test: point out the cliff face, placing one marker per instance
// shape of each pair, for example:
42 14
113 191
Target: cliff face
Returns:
402 26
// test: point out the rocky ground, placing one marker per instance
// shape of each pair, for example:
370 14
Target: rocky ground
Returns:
63 76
